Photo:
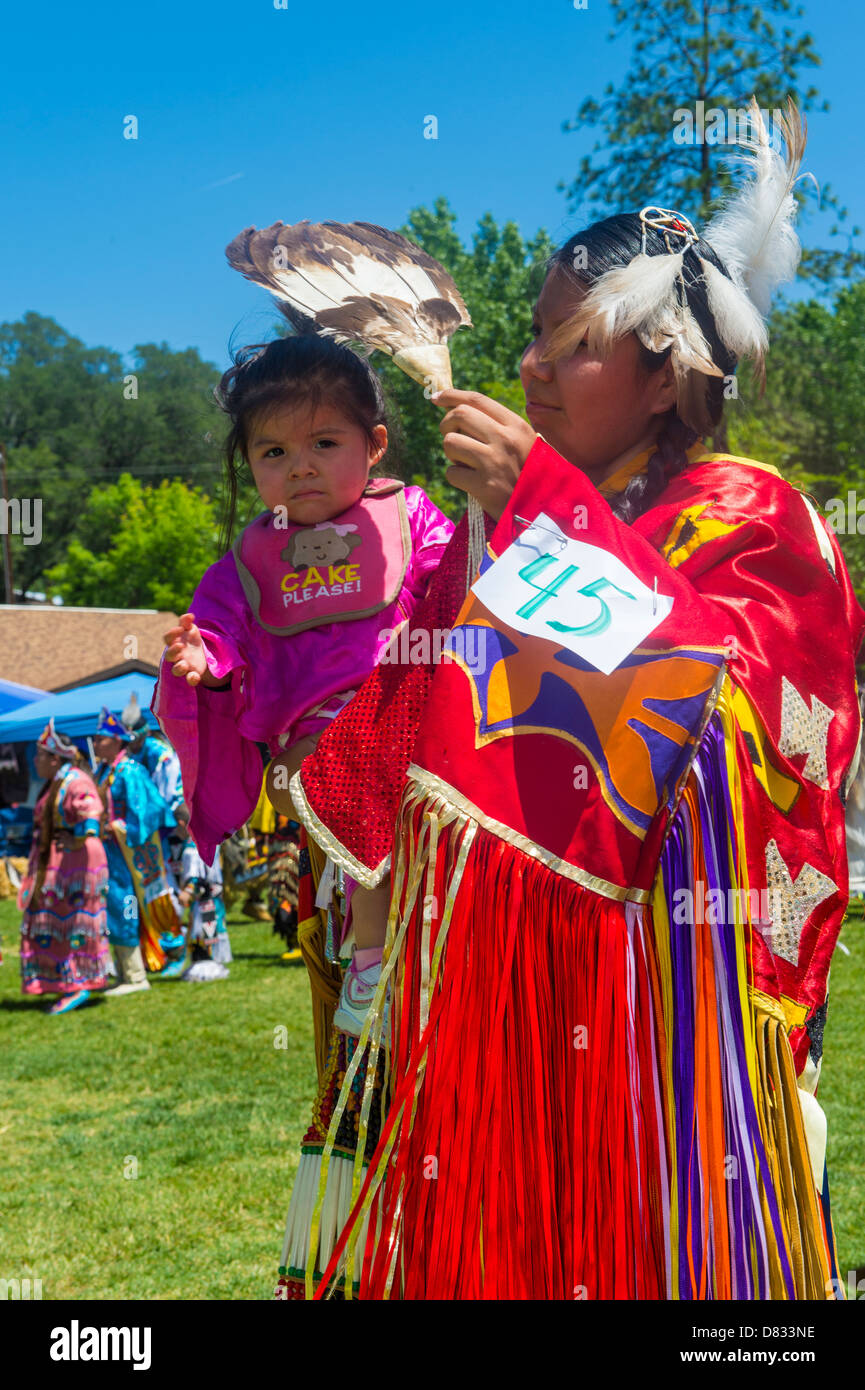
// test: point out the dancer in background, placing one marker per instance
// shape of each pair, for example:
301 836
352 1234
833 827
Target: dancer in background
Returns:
260 827
152 750
273 852
207 934
283 866
140 905
64 936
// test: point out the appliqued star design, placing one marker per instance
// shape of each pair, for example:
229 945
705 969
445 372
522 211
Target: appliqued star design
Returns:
805 730
791 904
637 725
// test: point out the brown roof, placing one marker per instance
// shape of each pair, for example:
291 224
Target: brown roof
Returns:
55 647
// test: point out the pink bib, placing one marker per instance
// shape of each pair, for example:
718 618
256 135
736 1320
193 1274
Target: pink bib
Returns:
296 577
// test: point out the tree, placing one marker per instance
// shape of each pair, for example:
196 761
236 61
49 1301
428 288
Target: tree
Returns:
138 547
499 278
810 422
686 52
72 416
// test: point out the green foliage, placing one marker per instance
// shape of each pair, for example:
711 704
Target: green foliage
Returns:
499 278
138 547
810 423
70 419
685 51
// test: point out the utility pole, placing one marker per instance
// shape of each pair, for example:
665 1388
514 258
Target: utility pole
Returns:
7 546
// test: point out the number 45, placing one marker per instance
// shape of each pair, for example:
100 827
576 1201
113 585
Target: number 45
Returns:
530 573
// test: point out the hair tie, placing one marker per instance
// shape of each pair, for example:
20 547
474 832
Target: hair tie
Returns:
668 223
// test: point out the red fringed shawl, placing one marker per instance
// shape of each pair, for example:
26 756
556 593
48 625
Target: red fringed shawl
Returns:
584 1053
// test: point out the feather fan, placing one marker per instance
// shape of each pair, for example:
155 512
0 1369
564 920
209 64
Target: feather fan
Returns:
358 282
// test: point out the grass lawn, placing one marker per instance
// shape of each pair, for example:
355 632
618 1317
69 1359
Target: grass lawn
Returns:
186 1081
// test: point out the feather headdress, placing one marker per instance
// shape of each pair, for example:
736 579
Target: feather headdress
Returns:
357 282
754 237
132 717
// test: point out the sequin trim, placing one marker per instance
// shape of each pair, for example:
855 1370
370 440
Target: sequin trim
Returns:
805 730
334 849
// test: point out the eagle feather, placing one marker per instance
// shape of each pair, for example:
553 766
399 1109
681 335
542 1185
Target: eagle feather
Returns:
358 282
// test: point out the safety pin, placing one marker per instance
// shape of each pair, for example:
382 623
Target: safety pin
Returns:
563 543
655 597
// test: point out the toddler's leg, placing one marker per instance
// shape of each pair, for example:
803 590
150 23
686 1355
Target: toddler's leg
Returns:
281 771
369 907
369 915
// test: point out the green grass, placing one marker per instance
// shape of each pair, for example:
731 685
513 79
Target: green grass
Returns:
842 1095
186 1080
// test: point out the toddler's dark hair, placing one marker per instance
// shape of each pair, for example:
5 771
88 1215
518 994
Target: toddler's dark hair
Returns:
302 369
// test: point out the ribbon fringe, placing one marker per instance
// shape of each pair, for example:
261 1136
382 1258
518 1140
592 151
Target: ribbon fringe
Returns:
586 1101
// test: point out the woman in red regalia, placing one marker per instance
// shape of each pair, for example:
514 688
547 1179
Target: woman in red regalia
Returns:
618 869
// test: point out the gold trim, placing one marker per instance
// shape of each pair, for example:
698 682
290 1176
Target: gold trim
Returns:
794 1012
616 483
767 1005
428 782
737 458
333 848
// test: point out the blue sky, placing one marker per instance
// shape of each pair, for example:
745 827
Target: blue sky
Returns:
248 114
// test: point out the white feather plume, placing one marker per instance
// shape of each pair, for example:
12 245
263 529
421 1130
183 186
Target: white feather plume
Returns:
740 324
754 232
641 297
620 301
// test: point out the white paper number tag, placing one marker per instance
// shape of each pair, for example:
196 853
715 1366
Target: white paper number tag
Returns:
576 595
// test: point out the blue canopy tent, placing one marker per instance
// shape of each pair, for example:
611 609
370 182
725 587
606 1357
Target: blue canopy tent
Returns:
13 695
76 712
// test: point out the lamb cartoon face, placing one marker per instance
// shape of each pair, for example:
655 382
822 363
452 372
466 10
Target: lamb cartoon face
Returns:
325 545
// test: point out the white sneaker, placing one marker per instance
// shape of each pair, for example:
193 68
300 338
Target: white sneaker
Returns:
355 997
126 989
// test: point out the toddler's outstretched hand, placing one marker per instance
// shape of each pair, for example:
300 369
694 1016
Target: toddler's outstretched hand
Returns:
184 650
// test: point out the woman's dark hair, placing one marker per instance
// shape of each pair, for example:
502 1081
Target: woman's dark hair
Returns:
611 244
301 369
